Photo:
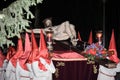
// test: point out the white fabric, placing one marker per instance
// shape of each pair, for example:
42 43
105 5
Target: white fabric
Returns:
22 74
49 67
106 73
5 64
118 67
29 67
10 72
63 31
43 75
3 69
1 74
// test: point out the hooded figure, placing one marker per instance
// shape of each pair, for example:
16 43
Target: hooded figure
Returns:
11 67
22 72
90 40
108 73
112 47
43 66
10 53
33 53
79 36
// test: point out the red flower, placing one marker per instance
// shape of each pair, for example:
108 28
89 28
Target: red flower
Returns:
91 51
103 51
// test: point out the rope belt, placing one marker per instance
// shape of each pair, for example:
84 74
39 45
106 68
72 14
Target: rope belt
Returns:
27 77
106 74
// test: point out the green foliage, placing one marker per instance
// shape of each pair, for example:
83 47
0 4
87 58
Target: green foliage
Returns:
15 19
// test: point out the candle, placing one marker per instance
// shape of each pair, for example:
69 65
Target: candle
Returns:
49 35
99 36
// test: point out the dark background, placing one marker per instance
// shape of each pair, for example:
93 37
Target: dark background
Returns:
86 15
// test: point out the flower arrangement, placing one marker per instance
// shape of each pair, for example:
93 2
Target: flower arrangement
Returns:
96 52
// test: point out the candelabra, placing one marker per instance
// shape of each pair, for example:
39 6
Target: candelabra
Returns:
99 36
49 34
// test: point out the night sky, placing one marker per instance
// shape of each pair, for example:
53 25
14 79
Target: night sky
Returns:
86 15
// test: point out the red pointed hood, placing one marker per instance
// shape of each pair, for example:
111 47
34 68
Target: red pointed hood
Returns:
43 51
43 48
35 50
18 53
19 49
27 43
90 40
79 37
10 53
112 46
34 43
20 45
42 41
24 57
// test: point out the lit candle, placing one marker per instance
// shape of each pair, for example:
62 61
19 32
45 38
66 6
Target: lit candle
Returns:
99 36
49 35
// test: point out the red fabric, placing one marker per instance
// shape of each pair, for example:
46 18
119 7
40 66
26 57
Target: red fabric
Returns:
27 43
2 58
42 42
24 57
41 66
29 60
43 51
10 53
34 43
67 55
90 38
18 53
43 46
79 37
112 46
34 51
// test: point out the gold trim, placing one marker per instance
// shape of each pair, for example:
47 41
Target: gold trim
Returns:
59 64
